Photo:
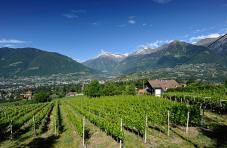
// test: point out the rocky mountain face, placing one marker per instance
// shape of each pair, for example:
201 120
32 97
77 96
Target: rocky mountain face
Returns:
218 45
206 42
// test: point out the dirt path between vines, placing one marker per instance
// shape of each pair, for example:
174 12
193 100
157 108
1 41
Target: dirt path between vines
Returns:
68 138
98 138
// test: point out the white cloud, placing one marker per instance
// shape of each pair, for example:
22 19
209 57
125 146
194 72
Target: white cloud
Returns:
155 44
13 41
78 60
204 29
7 45
73 14
96 23
193 40
131 21
162 1
70 15
200 30
146 24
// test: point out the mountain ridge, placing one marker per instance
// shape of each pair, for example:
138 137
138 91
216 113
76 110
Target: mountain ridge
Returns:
168 55
32 61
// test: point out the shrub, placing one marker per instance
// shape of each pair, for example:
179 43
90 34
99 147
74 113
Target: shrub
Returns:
42 97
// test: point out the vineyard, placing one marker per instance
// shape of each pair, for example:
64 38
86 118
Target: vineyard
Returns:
117 121
212 98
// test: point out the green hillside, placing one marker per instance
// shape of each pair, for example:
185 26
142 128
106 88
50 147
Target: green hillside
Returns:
31 61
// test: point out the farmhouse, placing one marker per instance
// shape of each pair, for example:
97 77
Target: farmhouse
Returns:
27 95
71 94
157 87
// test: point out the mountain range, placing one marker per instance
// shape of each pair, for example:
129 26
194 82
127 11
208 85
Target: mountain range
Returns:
166 56
36 62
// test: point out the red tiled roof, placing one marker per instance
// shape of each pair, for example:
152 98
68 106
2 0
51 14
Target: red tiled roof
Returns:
163 84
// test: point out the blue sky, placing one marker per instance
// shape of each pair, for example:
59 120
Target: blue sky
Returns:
80 29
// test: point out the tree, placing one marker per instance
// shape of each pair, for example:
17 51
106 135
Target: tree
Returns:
130 89
41 97
93 89
110 89
191 81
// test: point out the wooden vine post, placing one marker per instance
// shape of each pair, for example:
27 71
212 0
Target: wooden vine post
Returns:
55 127
187 123
121 131
200 109
81 103
220 103
201 113
34 126
168 123
84 132
145 130
11 130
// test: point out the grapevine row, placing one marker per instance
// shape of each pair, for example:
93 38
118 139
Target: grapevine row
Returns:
106 125
75 120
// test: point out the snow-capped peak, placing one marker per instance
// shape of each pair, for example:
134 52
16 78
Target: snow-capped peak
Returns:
108 54
144 50
103 53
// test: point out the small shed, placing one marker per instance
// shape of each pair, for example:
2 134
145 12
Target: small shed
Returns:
71 94
141 91
157 87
